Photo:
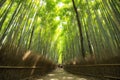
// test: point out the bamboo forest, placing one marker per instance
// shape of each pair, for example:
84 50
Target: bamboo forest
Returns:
59 39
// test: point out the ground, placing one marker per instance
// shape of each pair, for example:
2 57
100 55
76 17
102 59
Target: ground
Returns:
60 74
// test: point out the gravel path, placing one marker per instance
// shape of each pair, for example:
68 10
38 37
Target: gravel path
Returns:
60 74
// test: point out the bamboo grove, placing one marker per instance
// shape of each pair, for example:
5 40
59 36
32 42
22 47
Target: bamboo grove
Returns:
62 30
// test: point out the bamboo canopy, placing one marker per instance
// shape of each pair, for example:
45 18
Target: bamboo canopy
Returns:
62 30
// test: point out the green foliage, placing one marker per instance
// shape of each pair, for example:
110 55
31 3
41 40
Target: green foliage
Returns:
50 27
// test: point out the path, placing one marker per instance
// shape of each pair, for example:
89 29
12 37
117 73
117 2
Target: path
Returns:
60 74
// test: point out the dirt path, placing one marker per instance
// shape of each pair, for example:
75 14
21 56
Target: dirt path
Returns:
60 74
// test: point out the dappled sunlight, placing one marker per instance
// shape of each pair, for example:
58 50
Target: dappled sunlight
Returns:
57 18
42 2
51 74
71 78
54 79
82 79
60 5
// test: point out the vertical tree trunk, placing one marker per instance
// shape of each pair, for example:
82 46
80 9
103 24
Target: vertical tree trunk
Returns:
80 29
31 37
